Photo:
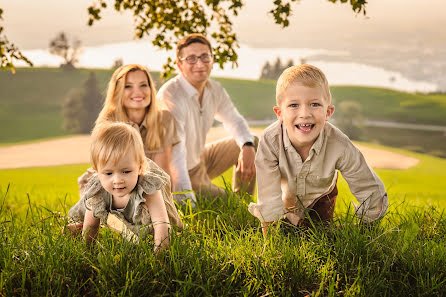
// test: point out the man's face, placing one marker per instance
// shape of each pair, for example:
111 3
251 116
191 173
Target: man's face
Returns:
197 73
303 111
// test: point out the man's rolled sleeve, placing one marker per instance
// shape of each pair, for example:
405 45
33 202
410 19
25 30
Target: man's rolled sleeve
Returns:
232 121
269 206
180 174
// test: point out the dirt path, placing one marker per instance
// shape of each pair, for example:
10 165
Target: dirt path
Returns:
74 150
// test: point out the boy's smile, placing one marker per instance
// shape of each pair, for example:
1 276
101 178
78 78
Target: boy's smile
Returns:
303 111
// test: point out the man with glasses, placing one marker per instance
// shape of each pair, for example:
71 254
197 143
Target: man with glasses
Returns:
195 101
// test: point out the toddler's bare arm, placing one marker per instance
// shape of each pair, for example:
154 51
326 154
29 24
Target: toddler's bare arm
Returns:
91 227
161 225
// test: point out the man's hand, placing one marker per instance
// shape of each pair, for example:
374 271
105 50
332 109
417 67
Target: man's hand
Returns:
246 165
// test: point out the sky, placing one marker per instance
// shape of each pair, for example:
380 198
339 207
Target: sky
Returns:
399 43
314 24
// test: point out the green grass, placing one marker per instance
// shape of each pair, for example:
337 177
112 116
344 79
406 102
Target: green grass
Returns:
45 186
418 186
221 252
31 100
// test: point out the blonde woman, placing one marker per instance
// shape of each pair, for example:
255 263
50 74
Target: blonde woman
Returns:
131 98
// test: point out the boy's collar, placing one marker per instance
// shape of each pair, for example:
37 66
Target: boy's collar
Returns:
286 140
317 145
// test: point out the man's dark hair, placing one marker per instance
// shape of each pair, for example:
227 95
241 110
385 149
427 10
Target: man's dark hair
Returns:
192 38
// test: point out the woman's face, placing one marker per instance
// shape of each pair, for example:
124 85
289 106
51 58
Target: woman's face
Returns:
137 92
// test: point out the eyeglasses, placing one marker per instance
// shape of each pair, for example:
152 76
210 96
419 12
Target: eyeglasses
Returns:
205 58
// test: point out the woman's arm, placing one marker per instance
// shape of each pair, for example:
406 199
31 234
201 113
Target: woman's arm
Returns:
91 227
164 159
161 225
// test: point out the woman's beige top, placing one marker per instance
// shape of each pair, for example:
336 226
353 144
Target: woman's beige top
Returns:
170 133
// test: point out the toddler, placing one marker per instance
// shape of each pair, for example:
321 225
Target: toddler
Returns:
127 192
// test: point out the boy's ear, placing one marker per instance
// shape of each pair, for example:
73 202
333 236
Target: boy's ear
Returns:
278 112
330 111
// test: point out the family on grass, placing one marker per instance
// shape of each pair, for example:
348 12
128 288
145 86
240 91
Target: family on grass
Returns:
146 146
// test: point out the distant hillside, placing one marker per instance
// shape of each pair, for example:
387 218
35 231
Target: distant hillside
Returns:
31 100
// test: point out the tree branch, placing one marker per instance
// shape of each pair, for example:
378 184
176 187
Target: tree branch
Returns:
9 52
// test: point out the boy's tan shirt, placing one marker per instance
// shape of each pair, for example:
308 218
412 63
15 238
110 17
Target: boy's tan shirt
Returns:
286 185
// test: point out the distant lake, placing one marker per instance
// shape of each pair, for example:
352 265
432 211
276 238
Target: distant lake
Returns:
250 63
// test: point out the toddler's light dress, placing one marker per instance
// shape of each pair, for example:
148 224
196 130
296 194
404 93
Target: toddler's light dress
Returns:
135 215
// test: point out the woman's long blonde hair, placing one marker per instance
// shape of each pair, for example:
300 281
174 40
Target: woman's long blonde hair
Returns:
115 111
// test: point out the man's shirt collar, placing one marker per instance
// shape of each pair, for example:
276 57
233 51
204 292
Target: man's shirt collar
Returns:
191 91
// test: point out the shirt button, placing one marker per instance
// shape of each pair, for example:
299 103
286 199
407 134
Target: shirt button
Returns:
301 176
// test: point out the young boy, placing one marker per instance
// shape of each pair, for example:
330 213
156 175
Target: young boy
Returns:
299 155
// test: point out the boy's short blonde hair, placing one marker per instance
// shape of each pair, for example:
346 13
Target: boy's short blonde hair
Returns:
112 140
307 75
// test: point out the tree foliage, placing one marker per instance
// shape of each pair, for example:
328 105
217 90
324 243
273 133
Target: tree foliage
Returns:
61 46
9 52
274 71
167 21
82 106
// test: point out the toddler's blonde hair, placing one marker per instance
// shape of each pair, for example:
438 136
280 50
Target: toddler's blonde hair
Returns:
112 140
308 75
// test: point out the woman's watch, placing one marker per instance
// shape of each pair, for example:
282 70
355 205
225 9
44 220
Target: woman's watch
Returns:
248 143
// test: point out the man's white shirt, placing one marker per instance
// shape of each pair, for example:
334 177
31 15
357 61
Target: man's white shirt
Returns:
194 121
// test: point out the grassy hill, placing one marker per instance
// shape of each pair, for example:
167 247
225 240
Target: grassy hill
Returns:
31 100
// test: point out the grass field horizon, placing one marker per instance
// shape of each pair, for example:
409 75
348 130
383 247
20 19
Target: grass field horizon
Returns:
31 101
